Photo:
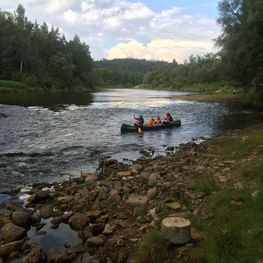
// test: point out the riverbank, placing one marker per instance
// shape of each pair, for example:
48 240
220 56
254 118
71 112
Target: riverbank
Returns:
211 97
118 211
21 88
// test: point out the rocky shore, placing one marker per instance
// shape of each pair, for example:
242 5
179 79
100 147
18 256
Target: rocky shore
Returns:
112 210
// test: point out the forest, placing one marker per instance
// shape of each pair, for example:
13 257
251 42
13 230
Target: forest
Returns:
37 55
124 72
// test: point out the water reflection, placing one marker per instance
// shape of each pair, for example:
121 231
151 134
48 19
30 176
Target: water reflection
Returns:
53 101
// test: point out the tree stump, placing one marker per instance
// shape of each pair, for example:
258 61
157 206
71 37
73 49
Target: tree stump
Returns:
176 230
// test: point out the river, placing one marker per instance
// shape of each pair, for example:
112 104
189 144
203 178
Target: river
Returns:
50 138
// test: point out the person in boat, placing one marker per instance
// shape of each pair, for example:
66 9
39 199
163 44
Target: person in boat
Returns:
158 121
168 119
150 122
139 121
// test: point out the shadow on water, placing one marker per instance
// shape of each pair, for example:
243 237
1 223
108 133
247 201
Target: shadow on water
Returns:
52 101
241 120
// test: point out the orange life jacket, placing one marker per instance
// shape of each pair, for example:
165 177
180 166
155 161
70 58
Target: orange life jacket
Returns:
158 122
150 122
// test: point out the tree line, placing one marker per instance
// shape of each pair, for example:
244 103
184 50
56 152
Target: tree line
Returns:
239 62
124 72
39 56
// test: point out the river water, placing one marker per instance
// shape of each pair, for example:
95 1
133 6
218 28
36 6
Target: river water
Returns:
49 138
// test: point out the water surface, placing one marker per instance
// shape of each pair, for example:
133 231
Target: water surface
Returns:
50 138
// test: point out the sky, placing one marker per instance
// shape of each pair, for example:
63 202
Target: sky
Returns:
146 29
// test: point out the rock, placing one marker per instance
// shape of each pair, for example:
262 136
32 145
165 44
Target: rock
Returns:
255 194
222 179
195 234
11 232
57 220
139 200
97 229
8 248
93 215
55 255
95 241
152 192
65 199
36 255
39 197
169 149
89 177
67 215
109 229
176 230
137 167
173 205
124 174
35 218
114 194
21 218
13 206
77 249
86 233
79 220
46 211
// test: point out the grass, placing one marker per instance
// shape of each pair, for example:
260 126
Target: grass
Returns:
10 84
236 148
235 234
154 249
206 184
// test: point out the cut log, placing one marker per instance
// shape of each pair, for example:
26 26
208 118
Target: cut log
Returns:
176 230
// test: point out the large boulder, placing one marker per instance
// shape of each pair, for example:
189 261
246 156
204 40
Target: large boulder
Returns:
46 211
11 232
39 196
79 221
8 248
176 230
21 218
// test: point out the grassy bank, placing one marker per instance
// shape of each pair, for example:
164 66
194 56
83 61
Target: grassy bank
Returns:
234 232
229 220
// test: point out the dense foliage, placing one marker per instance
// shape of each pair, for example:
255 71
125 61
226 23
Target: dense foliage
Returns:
241 42
198 70
124 72
40 56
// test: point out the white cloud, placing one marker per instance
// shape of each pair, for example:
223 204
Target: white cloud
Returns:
105 23
70 16
160 49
